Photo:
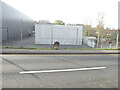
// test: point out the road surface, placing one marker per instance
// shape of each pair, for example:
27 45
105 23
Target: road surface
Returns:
106 77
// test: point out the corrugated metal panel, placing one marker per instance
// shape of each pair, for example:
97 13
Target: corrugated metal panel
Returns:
66 35
14 20
0 23
43 34
4 34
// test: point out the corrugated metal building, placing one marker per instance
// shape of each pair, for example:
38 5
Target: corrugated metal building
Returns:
0 23
65 35
14 23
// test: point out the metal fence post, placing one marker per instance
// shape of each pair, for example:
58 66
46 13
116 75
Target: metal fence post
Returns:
21 34
98 39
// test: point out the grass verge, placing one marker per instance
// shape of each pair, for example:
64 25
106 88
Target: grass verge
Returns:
35 48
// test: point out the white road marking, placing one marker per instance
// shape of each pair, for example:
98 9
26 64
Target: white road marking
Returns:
63 70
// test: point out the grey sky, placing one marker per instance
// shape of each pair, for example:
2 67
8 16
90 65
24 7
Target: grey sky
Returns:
70 11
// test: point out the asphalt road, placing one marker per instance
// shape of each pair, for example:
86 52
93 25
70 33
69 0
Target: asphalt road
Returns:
12 65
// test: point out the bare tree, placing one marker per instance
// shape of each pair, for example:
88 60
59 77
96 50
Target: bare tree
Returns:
100 26
100 18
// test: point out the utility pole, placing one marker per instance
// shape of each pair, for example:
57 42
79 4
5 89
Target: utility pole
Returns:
117 39
52 37
21 34
77 37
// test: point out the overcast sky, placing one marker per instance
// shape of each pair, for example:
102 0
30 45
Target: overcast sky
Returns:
69 11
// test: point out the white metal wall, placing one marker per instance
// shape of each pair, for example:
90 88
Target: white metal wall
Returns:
66 35
43 34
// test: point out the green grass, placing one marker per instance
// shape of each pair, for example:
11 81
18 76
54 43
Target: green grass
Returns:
9 47
109 49
95 49
34 48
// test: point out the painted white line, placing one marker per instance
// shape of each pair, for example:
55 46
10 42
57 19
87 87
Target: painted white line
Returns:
63 70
